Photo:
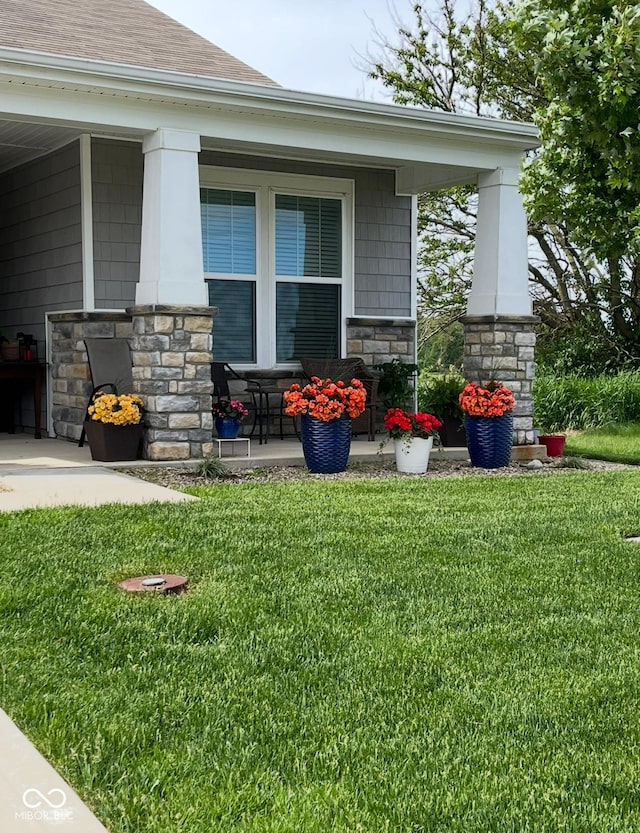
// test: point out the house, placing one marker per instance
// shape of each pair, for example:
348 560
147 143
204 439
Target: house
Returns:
154 187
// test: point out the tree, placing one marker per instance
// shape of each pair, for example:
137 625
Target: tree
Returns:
487 62
587 174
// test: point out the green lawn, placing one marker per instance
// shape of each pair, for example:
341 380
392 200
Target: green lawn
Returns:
447 655
620 443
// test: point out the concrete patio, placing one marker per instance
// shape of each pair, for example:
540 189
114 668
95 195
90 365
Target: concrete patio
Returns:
22 450
55 472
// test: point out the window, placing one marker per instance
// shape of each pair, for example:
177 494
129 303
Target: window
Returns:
229 249
234 325
308 236
277 252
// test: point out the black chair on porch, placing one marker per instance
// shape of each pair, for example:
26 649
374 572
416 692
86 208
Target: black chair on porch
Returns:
264 400
110 367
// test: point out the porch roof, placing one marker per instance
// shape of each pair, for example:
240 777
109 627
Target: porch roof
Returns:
64 97
130 31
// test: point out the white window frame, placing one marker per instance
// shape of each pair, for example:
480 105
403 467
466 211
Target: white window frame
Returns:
265 185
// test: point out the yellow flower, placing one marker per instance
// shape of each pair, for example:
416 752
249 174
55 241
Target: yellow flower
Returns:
123 409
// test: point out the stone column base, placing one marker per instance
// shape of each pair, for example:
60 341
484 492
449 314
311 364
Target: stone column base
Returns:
70 376
501 348
171 351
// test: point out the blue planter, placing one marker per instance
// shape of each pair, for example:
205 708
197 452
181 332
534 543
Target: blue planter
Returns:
489 440
226 428
326 445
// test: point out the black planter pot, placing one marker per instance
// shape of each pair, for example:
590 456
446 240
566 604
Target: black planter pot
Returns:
112 443
452 433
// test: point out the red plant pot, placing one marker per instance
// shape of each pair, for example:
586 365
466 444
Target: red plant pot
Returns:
554 443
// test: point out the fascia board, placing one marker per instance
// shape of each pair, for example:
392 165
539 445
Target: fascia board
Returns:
118 81
269 133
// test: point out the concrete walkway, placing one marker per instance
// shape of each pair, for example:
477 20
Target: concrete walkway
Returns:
57 473
87 486
32 794
50 472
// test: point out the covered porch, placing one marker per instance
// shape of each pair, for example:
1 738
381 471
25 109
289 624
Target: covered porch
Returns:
117 182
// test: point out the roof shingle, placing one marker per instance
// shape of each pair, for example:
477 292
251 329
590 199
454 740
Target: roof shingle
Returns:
118 31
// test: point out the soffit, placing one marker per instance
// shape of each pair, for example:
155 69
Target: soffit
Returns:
94 97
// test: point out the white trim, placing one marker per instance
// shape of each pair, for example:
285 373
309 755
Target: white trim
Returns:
428 149
414 263
292 156
265 185
370 315
248 179
49 385
125 78
86 221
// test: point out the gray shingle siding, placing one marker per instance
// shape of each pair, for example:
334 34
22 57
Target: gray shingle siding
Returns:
116 171
382 249
40 241
382 257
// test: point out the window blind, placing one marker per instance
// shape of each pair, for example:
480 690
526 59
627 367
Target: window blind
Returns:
307 320
234 330
308 237
228 231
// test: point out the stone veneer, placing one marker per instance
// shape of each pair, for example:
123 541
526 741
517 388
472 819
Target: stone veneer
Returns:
379 340
171 354
70 376
501 347
171 349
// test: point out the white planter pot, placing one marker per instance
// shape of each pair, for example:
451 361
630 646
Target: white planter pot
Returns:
412 456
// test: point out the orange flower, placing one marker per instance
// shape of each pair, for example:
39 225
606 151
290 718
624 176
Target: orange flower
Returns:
326 400
492 400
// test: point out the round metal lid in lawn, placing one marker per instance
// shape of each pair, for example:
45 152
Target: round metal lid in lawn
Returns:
153 584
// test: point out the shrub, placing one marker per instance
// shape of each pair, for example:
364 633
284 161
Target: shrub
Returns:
395 388
572 402
439 394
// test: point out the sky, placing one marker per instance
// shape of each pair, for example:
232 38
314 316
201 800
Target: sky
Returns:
311 45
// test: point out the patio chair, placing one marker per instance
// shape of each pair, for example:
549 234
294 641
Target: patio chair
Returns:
344 370
110 368
259 403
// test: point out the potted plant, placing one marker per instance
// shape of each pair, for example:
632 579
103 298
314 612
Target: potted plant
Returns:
326 409
395 387
228 415
488 423
114 426
440 394
412 434
553 441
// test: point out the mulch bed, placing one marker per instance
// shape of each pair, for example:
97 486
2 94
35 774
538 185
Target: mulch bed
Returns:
181 477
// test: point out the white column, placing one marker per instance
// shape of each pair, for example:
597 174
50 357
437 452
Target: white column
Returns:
171 269
500 276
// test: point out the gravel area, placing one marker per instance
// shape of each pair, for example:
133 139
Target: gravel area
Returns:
181 477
